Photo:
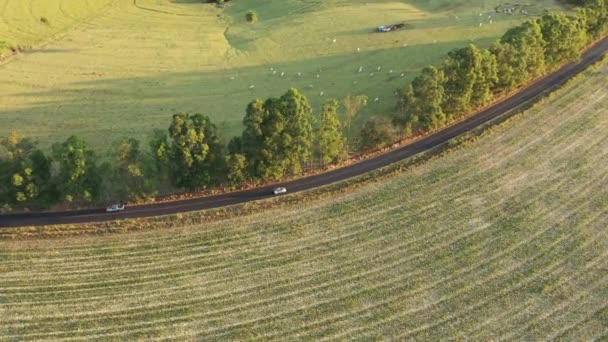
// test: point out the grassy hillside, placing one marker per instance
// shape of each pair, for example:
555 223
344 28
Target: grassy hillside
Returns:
123 68
27 23
505 238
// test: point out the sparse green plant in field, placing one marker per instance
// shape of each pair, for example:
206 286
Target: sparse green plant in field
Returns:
251 17
45 20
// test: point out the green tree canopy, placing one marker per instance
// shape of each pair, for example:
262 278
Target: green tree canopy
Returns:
422 101
470 74
528 53
330 138
235 145
278 135
236 165
130 176
594 16
508 69
158 144
427 95
79 176
486 80
406 117
25 174
564 37
195 151
298 113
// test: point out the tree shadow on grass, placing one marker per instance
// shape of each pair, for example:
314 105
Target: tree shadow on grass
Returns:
102 110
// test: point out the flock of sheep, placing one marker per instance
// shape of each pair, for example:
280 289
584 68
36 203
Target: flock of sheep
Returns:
361 69
299 74
281 74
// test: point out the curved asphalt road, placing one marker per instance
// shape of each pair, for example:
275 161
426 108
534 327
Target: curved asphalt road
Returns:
505 107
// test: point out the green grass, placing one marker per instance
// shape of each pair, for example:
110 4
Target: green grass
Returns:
502 239
120 70
22 23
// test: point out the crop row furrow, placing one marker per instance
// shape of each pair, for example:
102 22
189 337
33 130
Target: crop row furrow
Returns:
397 250
267 336
356 331
367 229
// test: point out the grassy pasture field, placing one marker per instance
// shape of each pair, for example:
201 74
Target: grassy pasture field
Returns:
28 23
502 239
121 68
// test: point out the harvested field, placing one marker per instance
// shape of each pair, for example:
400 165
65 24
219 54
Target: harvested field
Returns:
505 238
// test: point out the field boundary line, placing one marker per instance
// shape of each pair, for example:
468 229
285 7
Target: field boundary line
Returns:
56 37
137 5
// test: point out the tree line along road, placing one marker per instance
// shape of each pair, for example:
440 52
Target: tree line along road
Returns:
503 108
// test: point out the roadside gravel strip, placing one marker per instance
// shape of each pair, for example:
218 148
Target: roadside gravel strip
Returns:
504 108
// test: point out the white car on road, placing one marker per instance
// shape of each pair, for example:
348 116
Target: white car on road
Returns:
115 208
280 190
